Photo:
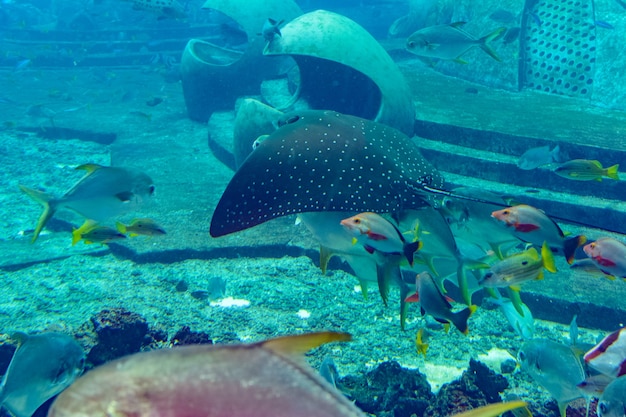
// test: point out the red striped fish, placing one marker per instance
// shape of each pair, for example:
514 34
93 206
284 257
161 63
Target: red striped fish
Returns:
609 356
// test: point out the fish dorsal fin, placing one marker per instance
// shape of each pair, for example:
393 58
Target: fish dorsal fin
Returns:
457 25
300 344
532 252
90 168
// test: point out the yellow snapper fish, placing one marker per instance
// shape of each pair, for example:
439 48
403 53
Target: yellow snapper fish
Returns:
519 268
449 42
532 225
434 303
141 226
420 345
269 378
90 232
586 170
102 193
165 9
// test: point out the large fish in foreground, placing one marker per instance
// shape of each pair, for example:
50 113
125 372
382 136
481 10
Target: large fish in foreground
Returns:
266 379
325 161
43 365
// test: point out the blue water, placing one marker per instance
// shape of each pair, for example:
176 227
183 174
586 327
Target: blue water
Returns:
104 82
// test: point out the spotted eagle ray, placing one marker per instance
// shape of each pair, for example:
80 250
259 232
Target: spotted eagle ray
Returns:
325 161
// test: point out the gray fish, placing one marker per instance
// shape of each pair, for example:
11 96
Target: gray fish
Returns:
503 16
271 28
102 193
612 403
539 156
434 303
164 9
325 161
43 365
449 42
555 367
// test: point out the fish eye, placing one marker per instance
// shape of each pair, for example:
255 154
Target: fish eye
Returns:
411 44
525 263
151 189
522 356
357 221
603 407
505 212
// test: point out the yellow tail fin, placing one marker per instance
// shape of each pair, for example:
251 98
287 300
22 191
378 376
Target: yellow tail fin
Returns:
612 173
121 227
46 201
547 258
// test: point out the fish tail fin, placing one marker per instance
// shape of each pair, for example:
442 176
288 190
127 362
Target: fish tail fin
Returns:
611 172
570 245
383 275
484 43
546 258
121 227
410 249
76 236
49 208
460 318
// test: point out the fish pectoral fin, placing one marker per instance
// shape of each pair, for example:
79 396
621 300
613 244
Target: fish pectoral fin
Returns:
325 255
300 344
90 168
124 196
458 60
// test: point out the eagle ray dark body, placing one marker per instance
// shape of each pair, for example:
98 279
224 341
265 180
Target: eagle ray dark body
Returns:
325 161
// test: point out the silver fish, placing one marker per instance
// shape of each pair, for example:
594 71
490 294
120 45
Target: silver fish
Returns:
102 193
43 365
539 156
523 325
449 42
612 403
555 367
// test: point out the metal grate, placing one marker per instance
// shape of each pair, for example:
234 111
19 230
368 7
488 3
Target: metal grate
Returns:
558 48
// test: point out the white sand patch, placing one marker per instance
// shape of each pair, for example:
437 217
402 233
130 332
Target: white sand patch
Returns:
494 357
230 302
303 314
438 375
